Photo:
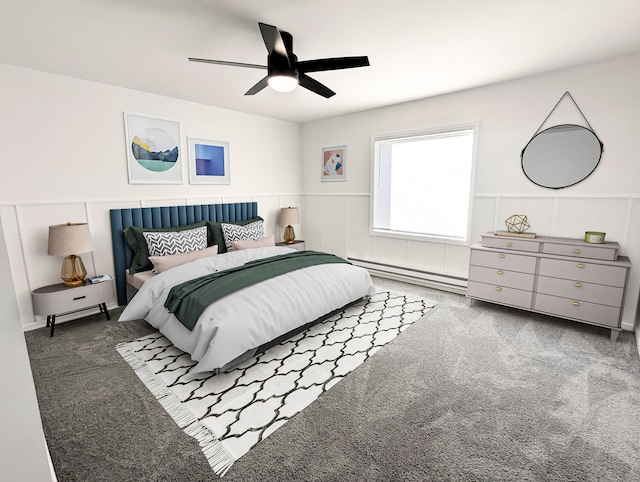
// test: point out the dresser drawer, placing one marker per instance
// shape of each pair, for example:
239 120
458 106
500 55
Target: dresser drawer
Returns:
584 272
506 243
498 277
504 261
500 294
594 293
578 310
581 251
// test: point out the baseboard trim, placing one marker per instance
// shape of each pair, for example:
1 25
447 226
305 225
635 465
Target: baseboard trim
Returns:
453 284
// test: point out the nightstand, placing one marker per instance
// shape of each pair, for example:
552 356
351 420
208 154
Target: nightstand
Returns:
58 299
297 244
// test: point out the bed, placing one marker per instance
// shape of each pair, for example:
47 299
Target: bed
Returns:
235 326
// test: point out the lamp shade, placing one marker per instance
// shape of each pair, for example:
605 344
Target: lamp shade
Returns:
289 216
70 238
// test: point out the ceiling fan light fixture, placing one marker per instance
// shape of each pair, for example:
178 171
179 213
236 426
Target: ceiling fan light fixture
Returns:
283 81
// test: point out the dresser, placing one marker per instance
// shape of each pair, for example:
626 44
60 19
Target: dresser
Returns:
561 277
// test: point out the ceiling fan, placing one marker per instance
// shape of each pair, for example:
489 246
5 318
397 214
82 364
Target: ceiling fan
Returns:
284 71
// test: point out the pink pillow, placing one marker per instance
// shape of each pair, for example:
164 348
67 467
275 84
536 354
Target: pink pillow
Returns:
254 243
164 263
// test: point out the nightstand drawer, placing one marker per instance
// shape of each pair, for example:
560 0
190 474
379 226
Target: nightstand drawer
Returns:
504 261
594 293
578 310
80 297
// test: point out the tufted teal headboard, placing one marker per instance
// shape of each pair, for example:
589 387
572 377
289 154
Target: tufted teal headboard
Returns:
164 217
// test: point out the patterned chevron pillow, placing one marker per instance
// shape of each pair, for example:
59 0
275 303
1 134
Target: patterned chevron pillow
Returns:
234 232
175 242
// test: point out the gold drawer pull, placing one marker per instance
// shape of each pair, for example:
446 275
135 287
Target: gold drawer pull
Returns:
575 303
509 245
580 265
576 251
501 256
500 272
578 285
498 288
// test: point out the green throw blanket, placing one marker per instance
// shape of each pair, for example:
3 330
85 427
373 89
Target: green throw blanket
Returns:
188 300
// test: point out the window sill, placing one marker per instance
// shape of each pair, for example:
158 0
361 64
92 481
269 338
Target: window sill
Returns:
426 238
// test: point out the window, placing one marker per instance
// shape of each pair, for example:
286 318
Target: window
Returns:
422 184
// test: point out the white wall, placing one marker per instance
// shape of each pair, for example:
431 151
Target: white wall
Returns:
335 215
23 450
64 159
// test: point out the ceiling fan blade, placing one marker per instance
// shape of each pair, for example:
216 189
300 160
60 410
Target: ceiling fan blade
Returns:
332 64
232 64
315 86
258 87
272 39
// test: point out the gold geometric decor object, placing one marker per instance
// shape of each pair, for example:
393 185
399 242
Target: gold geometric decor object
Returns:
517 223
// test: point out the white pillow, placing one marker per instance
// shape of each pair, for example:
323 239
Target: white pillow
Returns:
164 263
235 232
254 243
163 243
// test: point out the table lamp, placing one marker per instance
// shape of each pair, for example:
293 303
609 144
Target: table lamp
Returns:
69 240
289 216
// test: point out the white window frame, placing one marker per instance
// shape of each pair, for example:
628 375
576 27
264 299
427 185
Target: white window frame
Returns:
474 127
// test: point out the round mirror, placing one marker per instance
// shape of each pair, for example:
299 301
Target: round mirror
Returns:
561 156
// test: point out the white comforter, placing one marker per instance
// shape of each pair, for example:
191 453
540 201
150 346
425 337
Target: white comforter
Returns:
252 316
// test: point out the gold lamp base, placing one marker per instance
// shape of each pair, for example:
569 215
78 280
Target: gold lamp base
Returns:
73 271
289 235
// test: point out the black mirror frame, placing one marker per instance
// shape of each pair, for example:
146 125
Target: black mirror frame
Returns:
538 132
546 130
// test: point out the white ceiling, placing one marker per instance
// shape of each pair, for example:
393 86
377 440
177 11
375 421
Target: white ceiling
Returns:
417 48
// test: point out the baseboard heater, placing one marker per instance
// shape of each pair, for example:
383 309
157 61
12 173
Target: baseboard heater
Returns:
429 279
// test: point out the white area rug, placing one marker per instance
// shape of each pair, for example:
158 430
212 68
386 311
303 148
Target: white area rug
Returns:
231 412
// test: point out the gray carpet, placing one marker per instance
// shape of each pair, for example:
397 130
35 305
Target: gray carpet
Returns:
467 393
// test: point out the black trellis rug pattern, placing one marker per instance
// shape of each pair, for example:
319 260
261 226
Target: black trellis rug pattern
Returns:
230 413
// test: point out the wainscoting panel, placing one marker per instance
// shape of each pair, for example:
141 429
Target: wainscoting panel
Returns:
26 228
334 225
311 218
539 212
575 216
549 213
337 223
359 241
427 256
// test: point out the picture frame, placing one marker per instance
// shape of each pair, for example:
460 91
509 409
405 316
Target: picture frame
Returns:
209 162
153 149
333 163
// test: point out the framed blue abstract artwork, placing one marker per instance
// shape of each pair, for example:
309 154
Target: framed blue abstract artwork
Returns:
208 162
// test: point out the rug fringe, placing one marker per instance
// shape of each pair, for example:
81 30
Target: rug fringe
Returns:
219 459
